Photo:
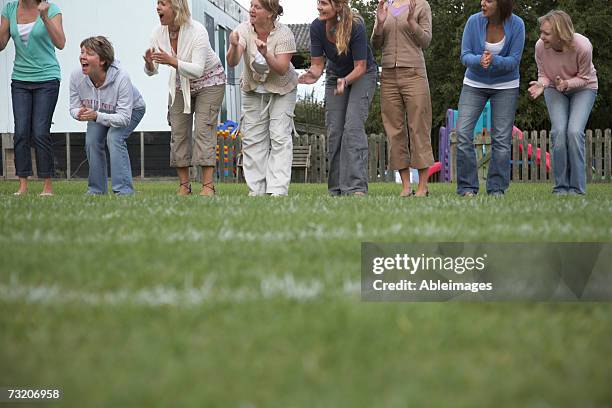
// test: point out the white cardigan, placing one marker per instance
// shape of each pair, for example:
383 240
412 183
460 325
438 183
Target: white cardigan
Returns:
194 54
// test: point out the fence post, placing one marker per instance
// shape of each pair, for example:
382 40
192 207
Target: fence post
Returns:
598 155
453 152
68 161
142 157
608 155
525 158
543 140
515 158
589 156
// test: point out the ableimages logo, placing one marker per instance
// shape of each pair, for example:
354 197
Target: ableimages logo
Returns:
411 264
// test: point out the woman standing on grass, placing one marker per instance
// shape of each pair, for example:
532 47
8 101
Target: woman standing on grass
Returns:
340 35
403 31
102 95
568 80
491 50
269 89
36 29
197 86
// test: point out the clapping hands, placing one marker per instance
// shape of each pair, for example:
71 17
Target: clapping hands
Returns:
486 59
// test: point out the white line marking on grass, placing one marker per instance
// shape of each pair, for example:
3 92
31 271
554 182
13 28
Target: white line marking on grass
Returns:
270 288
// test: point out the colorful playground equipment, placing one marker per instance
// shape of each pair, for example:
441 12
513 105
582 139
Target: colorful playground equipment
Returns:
228 137
483 127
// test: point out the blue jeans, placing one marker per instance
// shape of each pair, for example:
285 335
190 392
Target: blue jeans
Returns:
33 107
503 109
115 138
569 113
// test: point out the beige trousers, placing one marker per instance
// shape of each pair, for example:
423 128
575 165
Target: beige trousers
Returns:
205 110
405 91
267 144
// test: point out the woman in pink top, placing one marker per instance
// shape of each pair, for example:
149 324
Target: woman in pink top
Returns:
568 79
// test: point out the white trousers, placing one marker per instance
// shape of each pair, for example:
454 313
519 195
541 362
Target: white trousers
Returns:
267 145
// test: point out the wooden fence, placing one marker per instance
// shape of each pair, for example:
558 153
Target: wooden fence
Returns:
531 158
229 149
527 152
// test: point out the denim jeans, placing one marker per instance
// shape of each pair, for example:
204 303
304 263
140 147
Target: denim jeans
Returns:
347 142
33 107
115 138
569 113
503 109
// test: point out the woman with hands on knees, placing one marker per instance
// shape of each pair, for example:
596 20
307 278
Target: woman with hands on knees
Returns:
102 95
491 50
36 29
339 35
403 30
196 90
568 80
269 89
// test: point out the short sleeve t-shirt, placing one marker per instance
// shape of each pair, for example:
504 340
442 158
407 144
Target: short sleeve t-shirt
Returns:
340 65
36 61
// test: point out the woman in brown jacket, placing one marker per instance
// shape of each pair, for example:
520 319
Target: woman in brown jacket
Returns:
402 30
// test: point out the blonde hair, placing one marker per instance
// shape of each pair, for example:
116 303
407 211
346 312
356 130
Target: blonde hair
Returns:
273 7
561 25
345 25
182 14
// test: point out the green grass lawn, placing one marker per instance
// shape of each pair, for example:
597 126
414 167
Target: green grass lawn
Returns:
158 300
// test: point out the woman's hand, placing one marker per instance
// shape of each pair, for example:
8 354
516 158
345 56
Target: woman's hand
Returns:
340 86
381 12
307 78
412 23
162 57
87 114
148 56
234 38
43 9
262 47
535 89
486 59
561 84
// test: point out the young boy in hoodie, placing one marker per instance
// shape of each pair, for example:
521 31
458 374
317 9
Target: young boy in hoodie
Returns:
102 95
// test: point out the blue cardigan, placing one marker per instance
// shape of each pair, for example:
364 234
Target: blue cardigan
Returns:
505 66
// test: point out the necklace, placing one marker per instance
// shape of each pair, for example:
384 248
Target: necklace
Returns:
173 34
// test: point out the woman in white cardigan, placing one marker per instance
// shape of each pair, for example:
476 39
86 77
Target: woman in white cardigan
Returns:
197 86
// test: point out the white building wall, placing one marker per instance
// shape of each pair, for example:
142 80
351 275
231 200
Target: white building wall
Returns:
128 24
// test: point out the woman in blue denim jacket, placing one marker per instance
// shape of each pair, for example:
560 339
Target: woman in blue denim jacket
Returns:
491 50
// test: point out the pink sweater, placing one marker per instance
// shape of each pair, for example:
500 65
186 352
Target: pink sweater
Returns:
574 65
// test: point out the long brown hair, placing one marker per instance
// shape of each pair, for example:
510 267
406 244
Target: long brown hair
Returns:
345 24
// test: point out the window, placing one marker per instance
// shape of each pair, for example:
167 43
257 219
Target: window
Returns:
210 27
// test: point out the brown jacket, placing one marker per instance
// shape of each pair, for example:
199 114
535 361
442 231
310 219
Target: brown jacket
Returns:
400 47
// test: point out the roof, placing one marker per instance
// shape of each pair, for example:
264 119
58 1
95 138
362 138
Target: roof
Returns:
301 32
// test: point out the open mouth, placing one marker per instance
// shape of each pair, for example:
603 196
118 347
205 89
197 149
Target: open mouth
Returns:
84 65
161 16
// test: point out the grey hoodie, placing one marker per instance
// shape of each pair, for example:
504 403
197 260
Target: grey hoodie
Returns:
113 101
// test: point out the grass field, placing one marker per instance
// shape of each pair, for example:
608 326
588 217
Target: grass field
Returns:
157 300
